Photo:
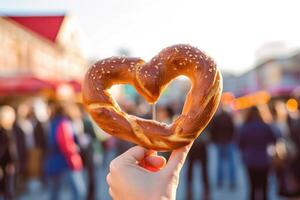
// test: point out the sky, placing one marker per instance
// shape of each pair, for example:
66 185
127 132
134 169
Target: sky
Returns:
230 31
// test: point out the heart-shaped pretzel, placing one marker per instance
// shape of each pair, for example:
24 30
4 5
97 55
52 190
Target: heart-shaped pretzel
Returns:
149 79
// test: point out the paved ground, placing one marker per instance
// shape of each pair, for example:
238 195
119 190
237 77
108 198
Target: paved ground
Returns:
216 194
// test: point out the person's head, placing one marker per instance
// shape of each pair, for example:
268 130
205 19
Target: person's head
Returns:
40 110
56 109
253 115
24 110
7 117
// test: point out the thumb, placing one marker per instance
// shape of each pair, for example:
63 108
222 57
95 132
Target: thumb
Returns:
177 159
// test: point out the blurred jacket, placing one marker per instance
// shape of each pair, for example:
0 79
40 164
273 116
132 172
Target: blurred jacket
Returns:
62 151
39 142
222 128
7 163
253 140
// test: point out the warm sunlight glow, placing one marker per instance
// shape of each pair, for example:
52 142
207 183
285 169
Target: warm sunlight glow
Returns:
292 105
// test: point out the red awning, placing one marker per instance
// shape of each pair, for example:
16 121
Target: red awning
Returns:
46 26
25 85
22 85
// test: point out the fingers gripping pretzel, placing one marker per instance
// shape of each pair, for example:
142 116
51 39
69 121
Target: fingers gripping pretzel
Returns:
149 79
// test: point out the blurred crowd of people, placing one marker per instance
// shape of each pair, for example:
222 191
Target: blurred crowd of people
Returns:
53 149
268 140
58 145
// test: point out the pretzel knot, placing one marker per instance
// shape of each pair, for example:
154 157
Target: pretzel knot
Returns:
149 79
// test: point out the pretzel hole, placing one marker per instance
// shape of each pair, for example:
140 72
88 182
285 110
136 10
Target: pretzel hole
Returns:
168 106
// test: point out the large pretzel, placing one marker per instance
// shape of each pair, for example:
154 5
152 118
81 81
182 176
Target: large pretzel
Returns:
149 79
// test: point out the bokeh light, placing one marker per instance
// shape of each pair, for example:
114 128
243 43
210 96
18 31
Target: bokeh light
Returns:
292 105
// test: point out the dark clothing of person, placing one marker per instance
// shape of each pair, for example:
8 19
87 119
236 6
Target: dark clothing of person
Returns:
253 140
225 155
294 128
222 133
56 163
21 149
88 159
40 137
40 143
258 181
3 144
198 152
7 159
222 129
294 163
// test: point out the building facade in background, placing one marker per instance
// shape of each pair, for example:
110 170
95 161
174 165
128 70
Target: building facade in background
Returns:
279 76
46 47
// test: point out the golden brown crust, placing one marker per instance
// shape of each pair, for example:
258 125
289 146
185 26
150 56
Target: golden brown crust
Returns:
149 79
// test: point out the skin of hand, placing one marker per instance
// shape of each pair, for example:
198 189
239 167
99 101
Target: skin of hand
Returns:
142 174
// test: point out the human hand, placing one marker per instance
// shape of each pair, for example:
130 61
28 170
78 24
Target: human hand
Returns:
156 180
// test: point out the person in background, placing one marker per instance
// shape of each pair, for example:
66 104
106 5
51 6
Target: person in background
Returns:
85 135
8 153
93 158
40 116
198 152
24 140
280 157
253 139
31 143
63 163
294 163
222 132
